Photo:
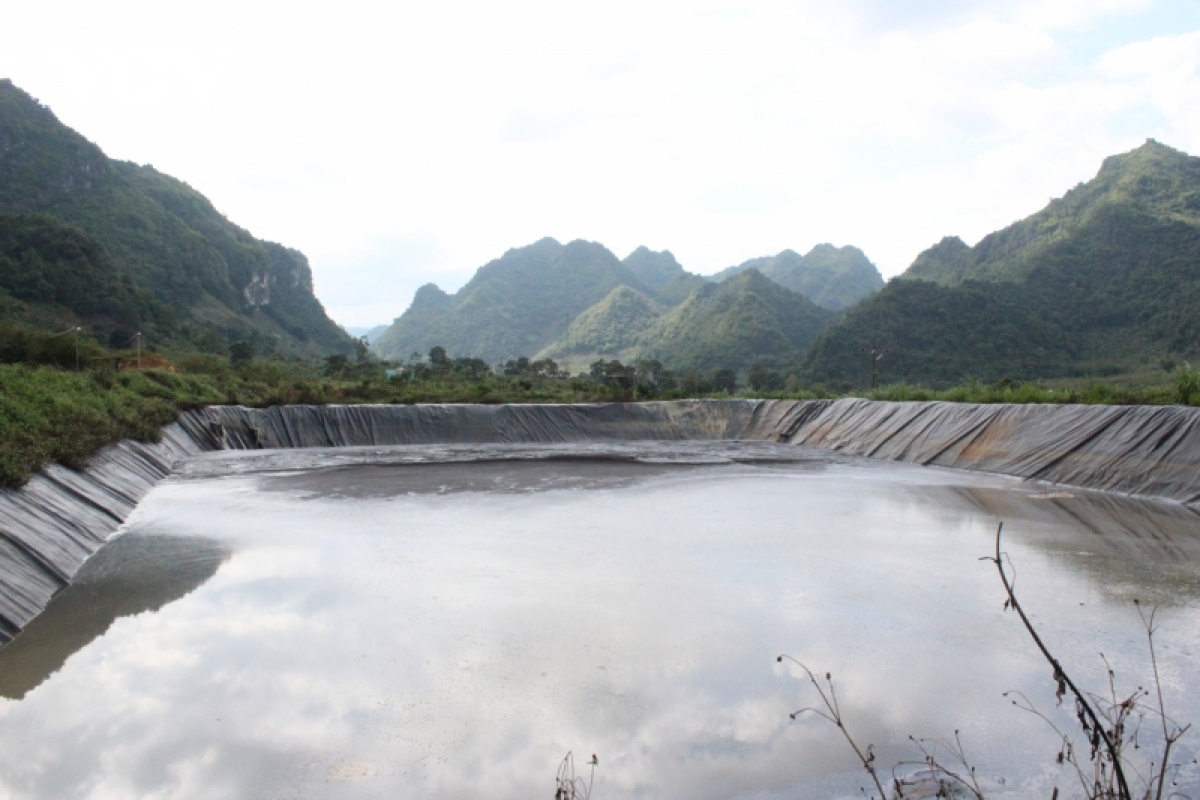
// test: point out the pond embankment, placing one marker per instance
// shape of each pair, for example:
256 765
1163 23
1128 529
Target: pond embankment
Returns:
49 527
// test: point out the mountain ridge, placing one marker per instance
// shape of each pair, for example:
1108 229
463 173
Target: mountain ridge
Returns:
514 305
832 277
1112 267
745 319
219 282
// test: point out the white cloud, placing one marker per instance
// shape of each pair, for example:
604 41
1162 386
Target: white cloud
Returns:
401 143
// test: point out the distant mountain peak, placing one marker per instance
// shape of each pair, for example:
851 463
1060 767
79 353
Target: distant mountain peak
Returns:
430 295
1152 179
832 277
513 306
746 318
654 269
608 328
1152 152
1101 281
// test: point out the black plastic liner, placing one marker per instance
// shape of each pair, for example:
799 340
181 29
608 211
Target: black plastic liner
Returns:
49 527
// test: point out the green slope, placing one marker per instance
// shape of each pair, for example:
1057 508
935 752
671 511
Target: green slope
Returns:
1153 186
53 275
1104 279
513 306
679 289
832 277
218 282
938 335
745 319
609 328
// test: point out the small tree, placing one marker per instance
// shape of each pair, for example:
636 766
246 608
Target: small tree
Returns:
362 350
519 366
241 353
760 377
724 380
1187 384
545 367
335 365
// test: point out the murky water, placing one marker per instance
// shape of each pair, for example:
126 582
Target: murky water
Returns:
413 622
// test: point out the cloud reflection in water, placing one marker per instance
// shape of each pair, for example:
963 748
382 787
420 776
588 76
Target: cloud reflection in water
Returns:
372 643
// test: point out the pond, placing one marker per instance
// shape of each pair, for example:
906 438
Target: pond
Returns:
451 621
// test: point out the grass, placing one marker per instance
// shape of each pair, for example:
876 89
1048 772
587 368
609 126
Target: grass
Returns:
47 415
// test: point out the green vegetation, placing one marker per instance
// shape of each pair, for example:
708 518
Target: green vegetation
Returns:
1182 387
679 289
51 413
1091 392
609 328
562 301
940 335
48 415
55 267
747 318
832 277
117 248
1100 282
99 256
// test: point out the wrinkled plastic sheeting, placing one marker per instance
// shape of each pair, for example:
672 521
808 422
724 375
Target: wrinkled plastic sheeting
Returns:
59 518
235 427
1141 450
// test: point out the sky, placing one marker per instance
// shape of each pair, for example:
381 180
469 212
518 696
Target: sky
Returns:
398 143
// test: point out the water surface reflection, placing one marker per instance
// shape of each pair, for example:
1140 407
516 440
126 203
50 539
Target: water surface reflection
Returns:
134 574
375 631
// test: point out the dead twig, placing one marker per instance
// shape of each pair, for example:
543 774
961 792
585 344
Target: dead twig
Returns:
833 713
1089 720
568 785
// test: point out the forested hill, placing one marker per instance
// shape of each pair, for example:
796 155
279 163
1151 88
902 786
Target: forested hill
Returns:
747 318
121 248
1133 195
609 329
577 302
513 306
832 277
1105 279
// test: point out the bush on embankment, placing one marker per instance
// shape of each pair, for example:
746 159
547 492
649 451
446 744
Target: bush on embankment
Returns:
49 415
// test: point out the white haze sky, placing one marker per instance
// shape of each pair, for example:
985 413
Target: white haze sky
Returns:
397 143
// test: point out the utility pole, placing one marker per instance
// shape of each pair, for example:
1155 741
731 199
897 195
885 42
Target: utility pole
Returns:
138 338
875 355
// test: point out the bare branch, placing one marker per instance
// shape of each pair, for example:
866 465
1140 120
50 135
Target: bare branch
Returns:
1085 710
833 714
